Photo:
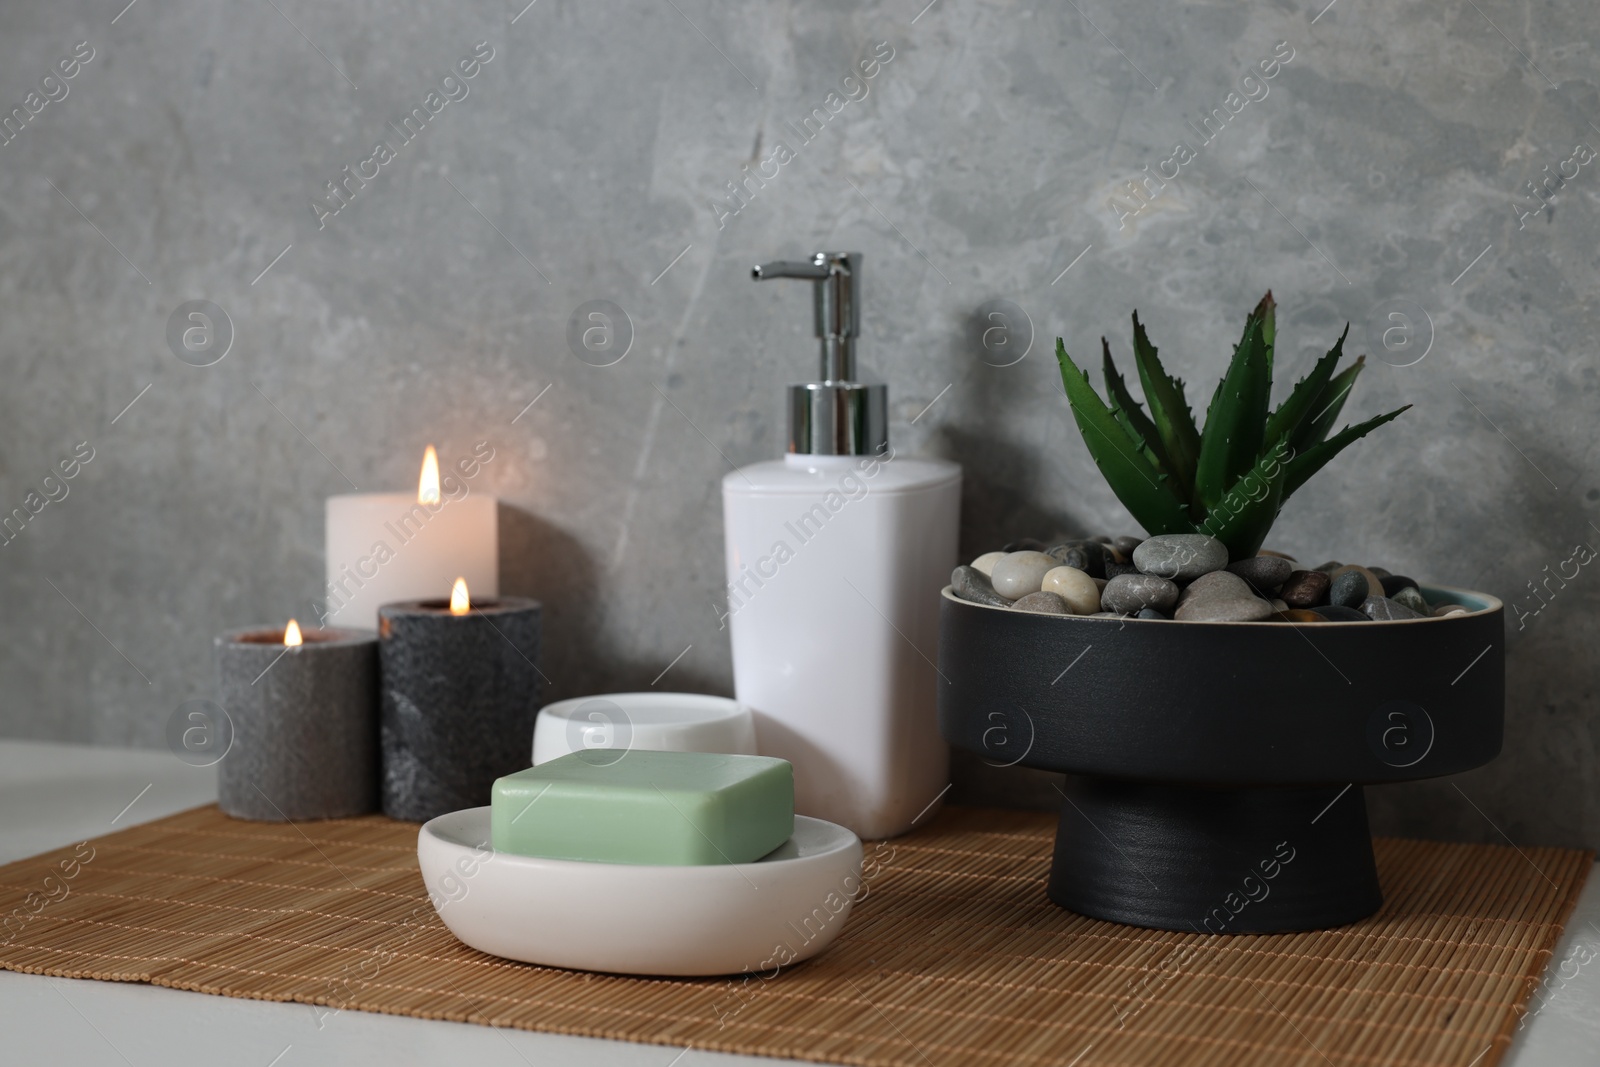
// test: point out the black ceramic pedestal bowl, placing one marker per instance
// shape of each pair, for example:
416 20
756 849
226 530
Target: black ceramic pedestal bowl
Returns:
1215 770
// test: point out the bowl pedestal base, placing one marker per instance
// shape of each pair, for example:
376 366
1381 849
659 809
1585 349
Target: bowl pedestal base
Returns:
1214 860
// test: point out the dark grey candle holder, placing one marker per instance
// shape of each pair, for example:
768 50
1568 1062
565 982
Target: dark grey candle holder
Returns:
305 724
460 695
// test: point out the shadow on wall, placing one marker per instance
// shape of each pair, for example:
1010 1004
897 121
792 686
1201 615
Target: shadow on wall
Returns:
1001 478
995 512
999 504
543 561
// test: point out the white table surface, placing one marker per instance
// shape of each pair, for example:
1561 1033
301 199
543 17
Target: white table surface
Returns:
53 795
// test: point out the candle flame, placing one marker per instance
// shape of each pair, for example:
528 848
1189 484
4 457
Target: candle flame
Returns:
428 483
460 603
291 634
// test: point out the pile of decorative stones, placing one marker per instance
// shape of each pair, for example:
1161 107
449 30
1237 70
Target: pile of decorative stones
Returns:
1187 577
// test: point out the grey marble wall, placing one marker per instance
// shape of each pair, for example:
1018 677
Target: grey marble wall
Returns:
1384 167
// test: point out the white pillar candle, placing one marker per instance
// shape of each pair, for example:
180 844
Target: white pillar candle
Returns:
385 547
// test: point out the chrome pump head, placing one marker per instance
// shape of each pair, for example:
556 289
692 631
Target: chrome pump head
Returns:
837 416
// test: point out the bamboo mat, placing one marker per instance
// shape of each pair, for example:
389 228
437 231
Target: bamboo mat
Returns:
953 957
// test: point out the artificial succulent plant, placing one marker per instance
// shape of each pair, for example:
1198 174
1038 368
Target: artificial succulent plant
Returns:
1231 478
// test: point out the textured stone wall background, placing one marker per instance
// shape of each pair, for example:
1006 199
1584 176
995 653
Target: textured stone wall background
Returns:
1387 162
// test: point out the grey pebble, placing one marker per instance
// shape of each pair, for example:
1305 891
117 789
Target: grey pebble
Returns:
1220 597
1130 593
972 584
1393 583
1044 603
1382 609
1264 574
1069 555
1113 569
1412 598
1086 556
1150 613
1340 613
1348 590
1181 557
1126 545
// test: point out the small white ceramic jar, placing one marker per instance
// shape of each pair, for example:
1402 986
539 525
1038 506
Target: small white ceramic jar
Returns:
656 722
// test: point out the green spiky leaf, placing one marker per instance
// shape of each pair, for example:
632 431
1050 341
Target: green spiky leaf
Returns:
1267 312
1138 483
1326 407
1231 479
1231 442
1313 459
1246 512
1127 411
1287 419
1169 410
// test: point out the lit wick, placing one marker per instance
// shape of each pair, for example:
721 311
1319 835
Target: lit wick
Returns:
291 634
460 603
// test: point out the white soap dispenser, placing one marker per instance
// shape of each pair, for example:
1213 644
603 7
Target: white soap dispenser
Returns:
836 556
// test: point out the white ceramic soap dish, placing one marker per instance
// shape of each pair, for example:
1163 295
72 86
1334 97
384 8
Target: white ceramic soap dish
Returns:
624 919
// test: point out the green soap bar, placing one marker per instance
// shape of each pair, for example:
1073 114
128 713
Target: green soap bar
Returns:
662 808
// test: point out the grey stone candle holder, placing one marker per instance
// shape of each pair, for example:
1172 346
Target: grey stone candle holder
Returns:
460 695
305 724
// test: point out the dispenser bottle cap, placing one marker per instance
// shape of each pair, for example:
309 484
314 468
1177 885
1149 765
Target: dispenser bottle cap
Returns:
837 416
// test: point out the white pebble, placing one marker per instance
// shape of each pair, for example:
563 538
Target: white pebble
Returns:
985 563
1075 587
1017 574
